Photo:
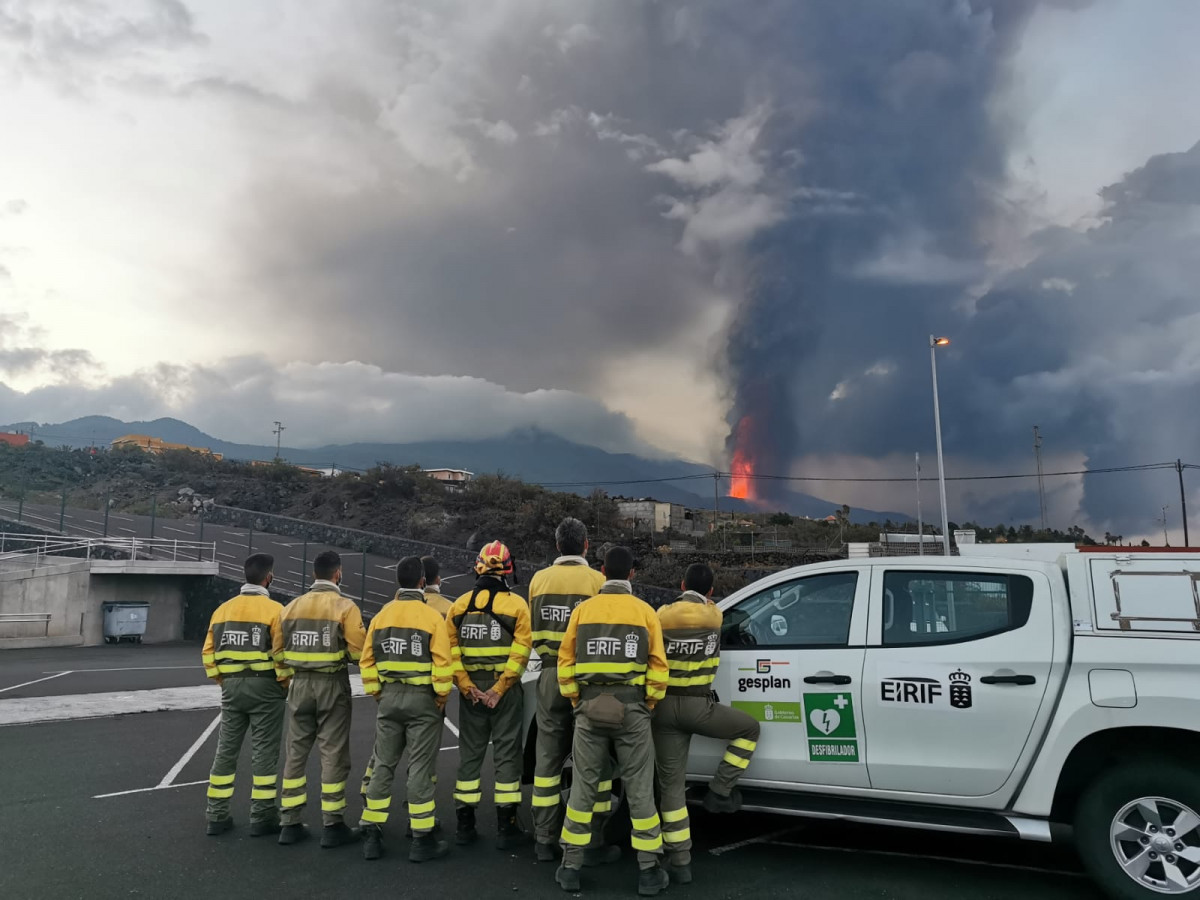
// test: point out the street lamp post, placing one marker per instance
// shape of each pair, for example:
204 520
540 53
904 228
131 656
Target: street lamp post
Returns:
934 343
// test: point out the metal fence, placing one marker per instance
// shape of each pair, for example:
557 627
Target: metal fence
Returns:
44 549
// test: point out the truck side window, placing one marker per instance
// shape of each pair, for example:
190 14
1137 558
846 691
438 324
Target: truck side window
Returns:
808 612
949 607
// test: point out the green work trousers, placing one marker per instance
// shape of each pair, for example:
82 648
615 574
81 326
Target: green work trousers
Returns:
319 704
555 726
676 719
593 749
477 725
408 718
254 703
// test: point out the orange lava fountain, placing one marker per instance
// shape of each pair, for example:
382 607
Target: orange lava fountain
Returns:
741 484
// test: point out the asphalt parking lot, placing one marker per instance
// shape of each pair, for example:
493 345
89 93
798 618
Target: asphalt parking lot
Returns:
102 805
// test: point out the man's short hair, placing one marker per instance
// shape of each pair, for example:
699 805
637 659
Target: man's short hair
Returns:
326 564
618 563
257 567
409 572
571 537
698 578
432 569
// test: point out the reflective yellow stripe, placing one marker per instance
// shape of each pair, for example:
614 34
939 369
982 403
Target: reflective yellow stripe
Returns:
547 781
220 792
264 779
289 802
520 650
508 785
207 658
556 636
381 803
424 823
677 837
262 794
518 667
485 651
735 760
649 845
604 807
565 672
416 809
545 800
604 786
591 668
743 744
377 816
466 785
675 815
443 671
691 680
295 782
686 665
575 840
211 673
569 690
220 779
645 824
507 798
388 665
333 788
468 798
654 692
301 656
332 805
583 818
242 654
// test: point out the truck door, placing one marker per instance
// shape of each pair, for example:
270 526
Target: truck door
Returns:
955 684
792 657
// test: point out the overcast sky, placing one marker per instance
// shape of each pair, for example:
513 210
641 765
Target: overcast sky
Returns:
629 223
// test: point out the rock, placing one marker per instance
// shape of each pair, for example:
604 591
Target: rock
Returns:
186 492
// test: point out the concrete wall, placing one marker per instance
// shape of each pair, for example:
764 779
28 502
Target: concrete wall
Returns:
74 600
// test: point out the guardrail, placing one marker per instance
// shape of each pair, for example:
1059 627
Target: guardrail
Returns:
43 549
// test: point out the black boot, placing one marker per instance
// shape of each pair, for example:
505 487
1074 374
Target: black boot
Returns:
680 873
372 841
426 847
651 881
547 852
601 856
338 835
509 833
568 879
466 833
293 834
219 826
264 827
721 803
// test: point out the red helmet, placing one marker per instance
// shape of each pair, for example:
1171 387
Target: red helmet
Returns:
494 559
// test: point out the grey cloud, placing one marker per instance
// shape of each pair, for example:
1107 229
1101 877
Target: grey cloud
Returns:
321 403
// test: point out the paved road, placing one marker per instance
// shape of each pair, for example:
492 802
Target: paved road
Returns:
233 545
61 838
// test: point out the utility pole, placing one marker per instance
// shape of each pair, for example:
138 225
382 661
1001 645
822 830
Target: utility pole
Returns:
934 343
1183 502
278 432
920 524
1037 453
716 503
1166 538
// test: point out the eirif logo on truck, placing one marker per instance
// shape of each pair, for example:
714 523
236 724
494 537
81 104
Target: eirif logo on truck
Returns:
768 681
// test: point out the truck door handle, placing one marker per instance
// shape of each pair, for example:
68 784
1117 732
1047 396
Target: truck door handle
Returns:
1008 679
826 679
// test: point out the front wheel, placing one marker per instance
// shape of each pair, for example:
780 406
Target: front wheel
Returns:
1137 829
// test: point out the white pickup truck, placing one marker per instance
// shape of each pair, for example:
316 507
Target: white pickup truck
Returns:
1028 691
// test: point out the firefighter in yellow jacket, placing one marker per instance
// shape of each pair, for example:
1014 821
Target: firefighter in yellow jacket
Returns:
554 593
406 666
433 587
692 633
238 655
322 633
613 669
490 643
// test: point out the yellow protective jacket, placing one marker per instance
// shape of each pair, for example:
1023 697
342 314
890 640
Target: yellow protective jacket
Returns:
692 635
407 643
241 637
321 631
489 636
553 595
435 601
613 639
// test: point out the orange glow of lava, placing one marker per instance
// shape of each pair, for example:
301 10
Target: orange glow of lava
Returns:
741 484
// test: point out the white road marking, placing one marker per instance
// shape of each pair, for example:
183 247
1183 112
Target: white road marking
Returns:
191 751
761 839
127 530
158 787
824 848
36 681
226 555
176 530
130 669
453 728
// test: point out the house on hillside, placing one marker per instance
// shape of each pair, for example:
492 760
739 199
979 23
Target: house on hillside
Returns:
656 516
14 440
452 478
148 444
